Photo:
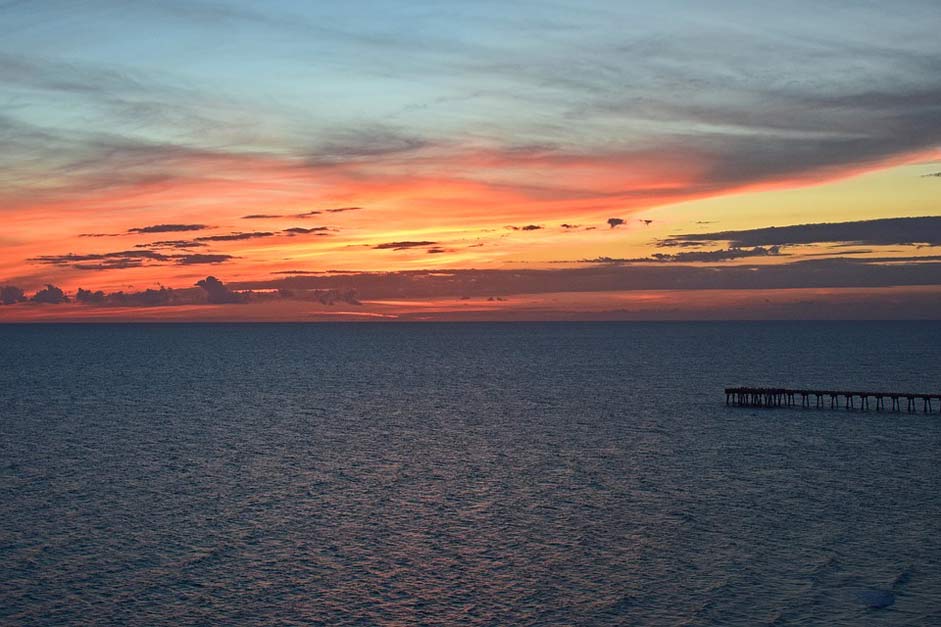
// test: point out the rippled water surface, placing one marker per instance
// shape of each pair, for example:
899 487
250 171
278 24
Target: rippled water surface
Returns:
473 474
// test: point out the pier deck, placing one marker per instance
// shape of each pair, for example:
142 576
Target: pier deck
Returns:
786 397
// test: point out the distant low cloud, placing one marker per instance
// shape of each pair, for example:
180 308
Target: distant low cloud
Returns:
882 232
261 216
528 227
601 277
218 293
10 295
168 228
403 245
89 297
50 295
615 222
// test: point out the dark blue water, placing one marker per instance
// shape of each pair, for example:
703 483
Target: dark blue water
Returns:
473 474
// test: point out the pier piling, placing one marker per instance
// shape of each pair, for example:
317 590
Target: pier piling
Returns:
786 397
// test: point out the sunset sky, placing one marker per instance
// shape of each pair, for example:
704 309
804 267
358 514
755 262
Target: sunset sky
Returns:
470 160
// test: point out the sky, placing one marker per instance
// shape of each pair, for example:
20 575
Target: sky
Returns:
469 160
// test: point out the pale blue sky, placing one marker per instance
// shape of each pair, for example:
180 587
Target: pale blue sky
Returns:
826 83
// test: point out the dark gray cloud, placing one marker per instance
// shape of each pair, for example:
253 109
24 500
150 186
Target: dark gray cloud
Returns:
528 227
218 293
317 212
816 273
703 256
299 230
403 245
88 297
50 295
199 259
615 222
146 298
168 228
126 259
173 243
10 295
233 237
887 231
71 258
261 216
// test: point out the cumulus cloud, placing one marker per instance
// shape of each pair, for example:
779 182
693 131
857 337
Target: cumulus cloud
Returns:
886 231
88 297
10 295
50 295
218 293
615 222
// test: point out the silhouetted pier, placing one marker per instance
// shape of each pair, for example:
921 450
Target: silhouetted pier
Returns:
785 397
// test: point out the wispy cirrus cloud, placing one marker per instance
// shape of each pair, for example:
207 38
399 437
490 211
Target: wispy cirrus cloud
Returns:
515 117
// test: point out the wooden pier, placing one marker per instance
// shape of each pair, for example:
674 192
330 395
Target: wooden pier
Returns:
832 399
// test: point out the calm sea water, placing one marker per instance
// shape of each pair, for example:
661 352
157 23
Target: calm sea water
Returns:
471 474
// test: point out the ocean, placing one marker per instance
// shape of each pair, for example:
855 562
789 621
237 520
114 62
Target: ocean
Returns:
464 474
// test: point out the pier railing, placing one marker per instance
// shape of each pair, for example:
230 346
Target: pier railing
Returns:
786 397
